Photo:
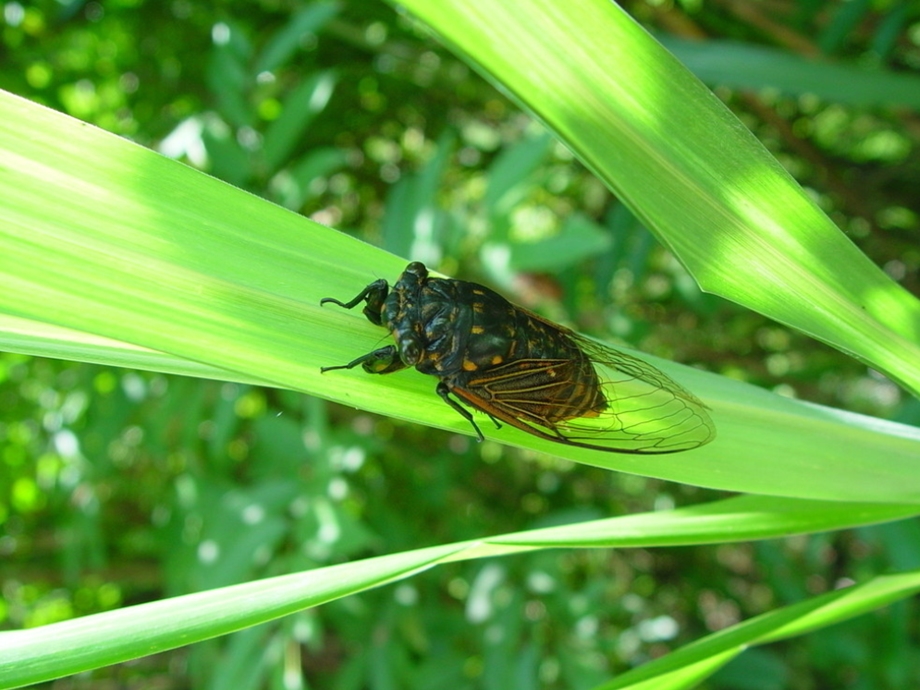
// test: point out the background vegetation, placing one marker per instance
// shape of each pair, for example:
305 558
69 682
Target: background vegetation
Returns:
116 483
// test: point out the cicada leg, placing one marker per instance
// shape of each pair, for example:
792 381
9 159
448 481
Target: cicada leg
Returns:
444 392
383 361
374 294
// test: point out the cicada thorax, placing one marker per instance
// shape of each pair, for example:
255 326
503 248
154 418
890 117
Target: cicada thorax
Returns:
494 355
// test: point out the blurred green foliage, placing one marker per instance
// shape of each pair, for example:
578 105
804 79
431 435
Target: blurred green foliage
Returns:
119 487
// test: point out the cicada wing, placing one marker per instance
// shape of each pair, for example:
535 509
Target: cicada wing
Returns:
519 394
627 406
646 410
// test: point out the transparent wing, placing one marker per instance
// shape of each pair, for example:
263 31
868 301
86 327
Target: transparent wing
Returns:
647 411
644 411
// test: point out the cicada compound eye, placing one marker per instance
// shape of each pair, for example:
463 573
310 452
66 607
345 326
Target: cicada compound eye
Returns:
409 351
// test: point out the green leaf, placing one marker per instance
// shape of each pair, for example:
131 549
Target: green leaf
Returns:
294 185
744 66
413 220
798 619
52 651
511 174
45 340
687 168
578 239
111 253
289 40
142 250
299 110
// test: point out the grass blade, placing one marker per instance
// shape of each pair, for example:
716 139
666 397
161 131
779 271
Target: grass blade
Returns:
142 250
688 168
60 649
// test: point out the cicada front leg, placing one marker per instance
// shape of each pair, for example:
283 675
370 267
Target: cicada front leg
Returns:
383 361
374 294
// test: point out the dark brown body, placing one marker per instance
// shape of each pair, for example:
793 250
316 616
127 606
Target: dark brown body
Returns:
472 338
524 370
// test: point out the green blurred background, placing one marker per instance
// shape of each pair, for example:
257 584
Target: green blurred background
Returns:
118 487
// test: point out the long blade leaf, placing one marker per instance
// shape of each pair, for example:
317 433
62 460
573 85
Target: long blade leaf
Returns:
52 651
142 250
688 168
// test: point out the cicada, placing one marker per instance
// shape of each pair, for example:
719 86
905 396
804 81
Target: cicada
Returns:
524 370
